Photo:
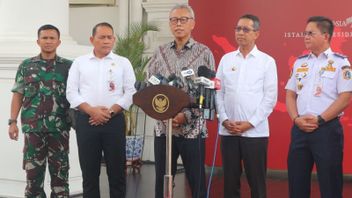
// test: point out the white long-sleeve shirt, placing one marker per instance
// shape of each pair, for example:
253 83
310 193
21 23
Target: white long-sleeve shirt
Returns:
101 82
248 90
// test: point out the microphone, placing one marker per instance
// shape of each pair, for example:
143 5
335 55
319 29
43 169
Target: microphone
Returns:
203 81
154 80
163 80
175 81
157 79
207 84
139 85
188 75
209 114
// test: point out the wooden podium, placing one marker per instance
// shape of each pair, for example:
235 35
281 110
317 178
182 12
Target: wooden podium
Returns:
163 102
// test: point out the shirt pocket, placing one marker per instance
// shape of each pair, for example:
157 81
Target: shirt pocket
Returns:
329 82
254 80
32 82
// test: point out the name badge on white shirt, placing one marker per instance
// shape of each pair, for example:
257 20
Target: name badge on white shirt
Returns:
111 83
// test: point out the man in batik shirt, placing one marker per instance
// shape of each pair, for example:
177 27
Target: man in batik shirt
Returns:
189 128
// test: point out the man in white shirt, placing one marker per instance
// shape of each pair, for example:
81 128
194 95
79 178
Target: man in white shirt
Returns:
247 97
318 91
100 85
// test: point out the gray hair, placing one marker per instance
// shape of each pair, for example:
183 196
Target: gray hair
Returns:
183 6
255 19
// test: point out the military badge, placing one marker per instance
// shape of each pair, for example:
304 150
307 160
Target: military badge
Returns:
304 65
299 85
329 67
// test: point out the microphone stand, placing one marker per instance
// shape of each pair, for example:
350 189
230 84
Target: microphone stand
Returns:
168 174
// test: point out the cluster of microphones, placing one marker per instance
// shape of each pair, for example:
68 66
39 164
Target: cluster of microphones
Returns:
200 88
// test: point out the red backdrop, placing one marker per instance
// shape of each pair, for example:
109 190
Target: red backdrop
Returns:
281 25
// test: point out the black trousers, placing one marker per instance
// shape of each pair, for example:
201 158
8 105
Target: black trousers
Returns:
192 153
253 153
92 141
324 147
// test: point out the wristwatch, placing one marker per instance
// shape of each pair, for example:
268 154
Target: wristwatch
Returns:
10 121
112 112
321 120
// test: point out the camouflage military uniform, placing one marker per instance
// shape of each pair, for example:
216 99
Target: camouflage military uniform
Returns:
44 123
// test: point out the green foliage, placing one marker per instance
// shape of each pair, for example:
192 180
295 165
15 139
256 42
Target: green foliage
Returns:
131 46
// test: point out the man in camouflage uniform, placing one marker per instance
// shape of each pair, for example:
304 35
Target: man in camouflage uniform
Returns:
40 89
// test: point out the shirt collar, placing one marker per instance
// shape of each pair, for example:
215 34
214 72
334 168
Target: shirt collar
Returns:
254 52
38 58
326 53
92 56
188 44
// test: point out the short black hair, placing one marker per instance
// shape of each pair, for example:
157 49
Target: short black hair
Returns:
324 24
48 27
255 19
103 24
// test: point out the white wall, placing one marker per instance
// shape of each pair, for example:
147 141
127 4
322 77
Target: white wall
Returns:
83 19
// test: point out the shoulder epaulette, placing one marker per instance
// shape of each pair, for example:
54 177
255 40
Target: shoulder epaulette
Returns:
303 56
340 55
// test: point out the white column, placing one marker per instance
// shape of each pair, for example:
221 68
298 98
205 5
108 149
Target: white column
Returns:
20 20
123 16
136 11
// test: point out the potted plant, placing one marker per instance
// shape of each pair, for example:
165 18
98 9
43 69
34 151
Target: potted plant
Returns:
131 46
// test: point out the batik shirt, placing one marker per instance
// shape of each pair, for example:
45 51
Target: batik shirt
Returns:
166 60
43 86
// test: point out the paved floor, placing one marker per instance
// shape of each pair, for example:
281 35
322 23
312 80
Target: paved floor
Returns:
142 185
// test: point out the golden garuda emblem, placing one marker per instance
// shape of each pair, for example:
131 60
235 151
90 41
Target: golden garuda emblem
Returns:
160 103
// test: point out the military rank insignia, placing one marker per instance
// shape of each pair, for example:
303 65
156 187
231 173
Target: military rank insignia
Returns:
301 73
329 67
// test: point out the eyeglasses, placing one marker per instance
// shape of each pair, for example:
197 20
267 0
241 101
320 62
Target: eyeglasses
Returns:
182 20
310 33
244 29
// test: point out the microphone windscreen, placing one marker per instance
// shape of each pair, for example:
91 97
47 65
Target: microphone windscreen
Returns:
172 77
143 85
137 85
203 71
206 72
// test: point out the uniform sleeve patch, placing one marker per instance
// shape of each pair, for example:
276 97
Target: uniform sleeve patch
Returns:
347 74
